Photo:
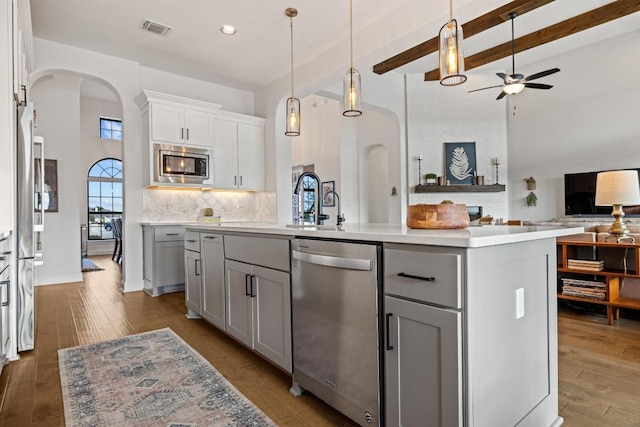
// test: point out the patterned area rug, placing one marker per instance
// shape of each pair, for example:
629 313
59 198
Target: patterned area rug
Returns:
149 379
89 265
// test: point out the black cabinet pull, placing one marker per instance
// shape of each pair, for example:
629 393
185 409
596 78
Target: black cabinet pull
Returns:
251 281
388 319
411 276
247 279
196 267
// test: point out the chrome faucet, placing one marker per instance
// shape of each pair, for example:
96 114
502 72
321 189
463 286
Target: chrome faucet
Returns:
340 214
320 217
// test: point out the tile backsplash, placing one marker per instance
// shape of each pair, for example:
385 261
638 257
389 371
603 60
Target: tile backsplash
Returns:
178 205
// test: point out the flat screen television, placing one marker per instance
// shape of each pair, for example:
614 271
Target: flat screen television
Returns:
580 196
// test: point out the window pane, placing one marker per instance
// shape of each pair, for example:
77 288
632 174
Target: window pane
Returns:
116 126
116 135
117 204
95 232
94 188
106 204
94 204
106 188
105 134
117 189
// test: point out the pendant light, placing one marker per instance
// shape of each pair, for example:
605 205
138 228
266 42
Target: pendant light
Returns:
451 56
351 86
293 103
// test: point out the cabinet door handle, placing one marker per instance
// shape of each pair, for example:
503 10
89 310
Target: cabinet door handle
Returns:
411 276
240 179
172 234
181 133
247 280
252 281
211 237
388 328
191 241
187 133
196 265
235 180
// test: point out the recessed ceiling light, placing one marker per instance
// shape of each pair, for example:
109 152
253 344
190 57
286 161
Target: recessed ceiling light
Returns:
228 30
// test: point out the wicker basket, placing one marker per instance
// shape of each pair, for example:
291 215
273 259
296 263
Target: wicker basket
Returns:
442 216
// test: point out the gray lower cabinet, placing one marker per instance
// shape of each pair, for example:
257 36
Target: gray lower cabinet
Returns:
259 310
193 283
163 248
423 365
212 278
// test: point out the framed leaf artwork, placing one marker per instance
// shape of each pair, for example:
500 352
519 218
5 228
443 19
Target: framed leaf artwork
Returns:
460 162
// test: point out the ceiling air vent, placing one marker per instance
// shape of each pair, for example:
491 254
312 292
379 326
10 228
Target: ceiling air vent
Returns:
155 27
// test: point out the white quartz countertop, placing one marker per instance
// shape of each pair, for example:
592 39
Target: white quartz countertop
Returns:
471 237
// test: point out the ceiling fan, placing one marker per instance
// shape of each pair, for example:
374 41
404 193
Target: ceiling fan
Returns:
515 83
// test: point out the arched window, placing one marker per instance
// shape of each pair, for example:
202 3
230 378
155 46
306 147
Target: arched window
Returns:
104 197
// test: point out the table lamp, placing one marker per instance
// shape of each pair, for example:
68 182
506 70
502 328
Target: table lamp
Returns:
618 188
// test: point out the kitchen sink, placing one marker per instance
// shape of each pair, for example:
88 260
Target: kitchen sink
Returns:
315 227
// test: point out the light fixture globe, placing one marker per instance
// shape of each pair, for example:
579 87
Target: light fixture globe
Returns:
351 93
513 88
351 82
292 127
451 58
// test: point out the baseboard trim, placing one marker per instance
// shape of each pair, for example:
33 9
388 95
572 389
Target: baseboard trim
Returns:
58 279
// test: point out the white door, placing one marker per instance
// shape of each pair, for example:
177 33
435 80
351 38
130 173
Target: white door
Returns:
250 157
272 317
213 309
167 123
225 155
198 128
239 302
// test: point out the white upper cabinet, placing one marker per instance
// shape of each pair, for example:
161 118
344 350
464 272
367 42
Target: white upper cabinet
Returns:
176 120
238 152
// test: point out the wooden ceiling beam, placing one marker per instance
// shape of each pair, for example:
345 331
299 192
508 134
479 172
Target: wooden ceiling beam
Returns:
469 29
592 18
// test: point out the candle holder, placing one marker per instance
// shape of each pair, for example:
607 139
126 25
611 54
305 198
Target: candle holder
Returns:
496 163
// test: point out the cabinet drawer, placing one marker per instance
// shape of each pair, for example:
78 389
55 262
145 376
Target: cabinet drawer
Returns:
424 274
267 252
168 233
192 241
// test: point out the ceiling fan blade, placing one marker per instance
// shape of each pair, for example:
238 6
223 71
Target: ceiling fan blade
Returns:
502 95
489 87
501 75
542 74
537 86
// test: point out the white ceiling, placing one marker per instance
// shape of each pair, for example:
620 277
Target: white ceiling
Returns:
258 54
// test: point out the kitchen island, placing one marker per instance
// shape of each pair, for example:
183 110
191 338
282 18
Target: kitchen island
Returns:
466 318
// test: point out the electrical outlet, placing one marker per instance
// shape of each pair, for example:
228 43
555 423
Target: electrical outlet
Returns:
519 303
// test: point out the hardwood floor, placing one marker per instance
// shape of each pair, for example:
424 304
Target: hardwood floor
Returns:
599 364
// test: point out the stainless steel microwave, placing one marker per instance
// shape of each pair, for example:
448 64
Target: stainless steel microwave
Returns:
183 165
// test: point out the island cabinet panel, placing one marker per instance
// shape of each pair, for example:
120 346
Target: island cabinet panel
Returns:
193 283
511 332
423 365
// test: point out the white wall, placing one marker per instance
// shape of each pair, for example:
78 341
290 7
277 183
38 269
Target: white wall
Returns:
58 106
438 114
587 122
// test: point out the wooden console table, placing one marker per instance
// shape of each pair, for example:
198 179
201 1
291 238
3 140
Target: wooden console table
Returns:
578 281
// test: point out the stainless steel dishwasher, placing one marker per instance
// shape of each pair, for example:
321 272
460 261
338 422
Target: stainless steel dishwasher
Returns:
336 327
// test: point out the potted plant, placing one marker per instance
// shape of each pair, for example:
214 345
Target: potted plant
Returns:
431 178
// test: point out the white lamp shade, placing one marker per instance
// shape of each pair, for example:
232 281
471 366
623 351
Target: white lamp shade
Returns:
617 188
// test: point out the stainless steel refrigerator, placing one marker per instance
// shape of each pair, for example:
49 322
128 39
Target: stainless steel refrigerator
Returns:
28 222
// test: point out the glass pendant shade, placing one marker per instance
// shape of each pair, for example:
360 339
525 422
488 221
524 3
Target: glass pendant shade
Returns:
451 55
293 117
351 93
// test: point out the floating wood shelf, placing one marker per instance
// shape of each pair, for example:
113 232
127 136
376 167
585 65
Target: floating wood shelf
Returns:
459 188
